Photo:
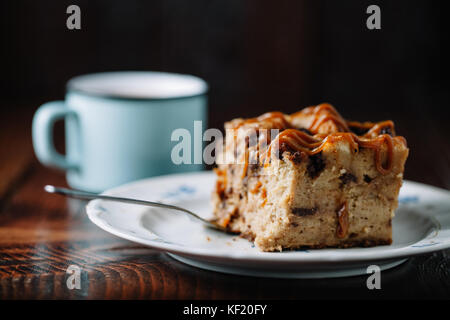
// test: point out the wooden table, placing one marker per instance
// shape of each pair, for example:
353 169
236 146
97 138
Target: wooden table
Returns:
41 235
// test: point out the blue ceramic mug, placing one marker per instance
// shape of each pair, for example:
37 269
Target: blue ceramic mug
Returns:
119 126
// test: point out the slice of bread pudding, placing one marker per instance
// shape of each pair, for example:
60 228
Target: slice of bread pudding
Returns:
309 179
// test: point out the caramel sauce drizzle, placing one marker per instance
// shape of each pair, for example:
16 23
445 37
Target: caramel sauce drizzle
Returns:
264 196
312 144
246 161
226 221
222 182
342 227
276 119
326 112
301 141
256 188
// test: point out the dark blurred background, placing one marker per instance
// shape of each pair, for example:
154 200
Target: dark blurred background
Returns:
256 55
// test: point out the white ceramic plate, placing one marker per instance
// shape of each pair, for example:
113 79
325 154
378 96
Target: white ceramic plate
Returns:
421 225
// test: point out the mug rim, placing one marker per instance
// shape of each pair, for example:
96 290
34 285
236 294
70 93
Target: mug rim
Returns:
74 85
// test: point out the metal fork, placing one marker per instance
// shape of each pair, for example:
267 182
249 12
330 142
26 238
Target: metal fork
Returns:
91 196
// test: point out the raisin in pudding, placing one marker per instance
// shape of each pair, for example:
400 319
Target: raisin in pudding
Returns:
309 179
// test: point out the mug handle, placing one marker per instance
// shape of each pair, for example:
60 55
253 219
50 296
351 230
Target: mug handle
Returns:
42 130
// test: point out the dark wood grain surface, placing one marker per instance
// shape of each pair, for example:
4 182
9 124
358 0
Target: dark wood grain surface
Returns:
41 235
